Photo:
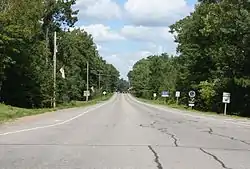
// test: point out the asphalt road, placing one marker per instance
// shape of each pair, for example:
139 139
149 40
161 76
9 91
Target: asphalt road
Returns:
124 134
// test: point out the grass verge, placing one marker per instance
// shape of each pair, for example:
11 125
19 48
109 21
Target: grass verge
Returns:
8 113
188 109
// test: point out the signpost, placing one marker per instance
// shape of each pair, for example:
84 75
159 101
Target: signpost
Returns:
191 102
226 100
164 94
86 93
192 95
177 95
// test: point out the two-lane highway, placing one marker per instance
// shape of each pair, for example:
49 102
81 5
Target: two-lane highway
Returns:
124 134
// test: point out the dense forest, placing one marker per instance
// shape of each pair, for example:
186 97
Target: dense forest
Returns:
213 57
123 85
26 55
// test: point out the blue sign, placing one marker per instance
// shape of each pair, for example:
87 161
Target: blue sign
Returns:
165 94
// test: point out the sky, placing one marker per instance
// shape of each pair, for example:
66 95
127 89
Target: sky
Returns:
126 31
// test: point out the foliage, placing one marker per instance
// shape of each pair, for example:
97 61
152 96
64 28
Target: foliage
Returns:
26 45
123 85
153 74
207 92
214 57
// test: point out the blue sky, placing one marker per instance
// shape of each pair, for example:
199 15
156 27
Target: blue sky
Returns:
128 30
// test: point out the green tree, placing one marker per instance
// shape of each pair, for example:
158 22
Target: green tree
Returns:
26 69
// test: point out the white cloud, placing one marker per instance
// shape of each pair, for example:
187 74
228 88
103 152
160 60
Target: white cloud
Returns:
143 33
119 63
156 12
169 48
125 61
102 33
98 9
152 40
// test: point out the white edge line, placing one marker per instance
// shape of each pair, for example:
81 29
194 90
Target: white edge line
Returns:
190 115
55 124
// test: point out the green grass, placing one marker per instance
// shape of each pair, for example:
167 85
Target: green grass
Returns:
8 113
187 109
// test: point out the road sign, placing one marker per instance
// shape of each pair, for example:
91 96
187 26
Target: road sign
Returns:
192 94
86 93
104 92
154 94
191 102
177 94
226 97
165 94
226 100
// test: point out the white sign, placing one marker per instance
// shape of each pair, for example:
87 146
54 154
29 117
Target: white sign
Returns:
191 104
177 94
62 72
192 94
86 93
226 97
154 94
104 93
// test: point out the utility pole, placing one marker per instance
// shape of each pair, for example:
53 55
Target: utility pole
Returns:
47 43
54 72
99 84
87 96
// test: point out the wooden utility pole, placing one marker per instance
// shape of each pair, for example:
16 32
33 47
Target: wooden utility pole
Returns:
54 71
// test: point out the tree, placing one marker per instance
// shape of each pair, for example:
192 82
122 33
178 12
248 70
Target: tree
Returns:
26 70
123 85
213 46
213 42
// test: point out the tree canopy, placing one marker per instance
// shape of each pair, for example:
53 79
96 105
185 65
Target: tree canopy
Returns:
214 57
26 49
123 85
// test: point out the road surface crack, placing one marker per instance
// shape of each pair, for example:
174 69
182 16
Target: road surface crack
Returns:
165 130
231 138
156 160
215 158
151 125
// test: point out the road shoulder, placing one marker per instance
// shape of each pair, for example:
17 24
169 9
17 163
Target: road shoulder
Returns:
227 119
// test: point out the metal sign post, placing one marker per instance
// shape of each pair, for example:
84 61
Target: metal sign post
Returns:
177 95
226 100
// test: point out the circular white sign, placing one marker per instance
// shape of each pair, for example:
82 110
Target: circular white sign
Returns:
192 94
